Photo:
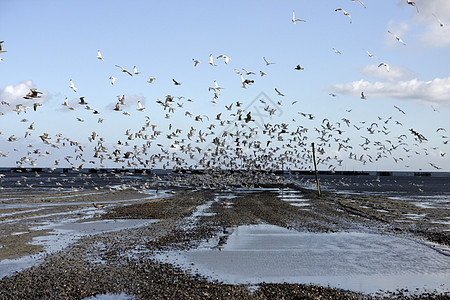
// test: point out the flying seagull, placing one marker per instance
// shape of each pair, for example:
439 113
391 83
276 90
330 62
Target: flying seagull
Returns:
211 60
363 96
124 70
135 71
298 67
345 13
151 79
1 50
113 79
384 64
397 38
72 86
439 20
279 93
196 62
176 82
294 20
359 2
267 63
226 58
99 55
412 4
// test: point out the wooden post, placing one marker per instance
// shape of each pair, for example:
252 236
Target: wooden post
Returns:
315 169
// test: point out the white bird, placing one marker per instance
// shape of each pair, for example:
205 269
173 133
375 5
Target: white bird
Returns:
66 102
412 4
72 86
113 79
140 107
384 64
268 63
99 55
294 20
124 70
135 71
397 38
1 50
211 60
151 79
279 93
370 54
336 51
345 13
359 2
439 20
196 62
226 58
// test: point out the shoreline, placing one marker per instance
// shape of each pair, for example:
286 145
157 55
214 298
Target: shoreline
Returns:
106 260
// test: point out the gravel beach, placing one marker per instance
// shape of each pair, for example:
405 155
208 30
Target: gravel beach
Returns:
123 262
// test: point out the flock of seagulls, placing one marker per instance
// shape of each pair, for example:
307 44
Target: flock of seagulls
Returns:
240 136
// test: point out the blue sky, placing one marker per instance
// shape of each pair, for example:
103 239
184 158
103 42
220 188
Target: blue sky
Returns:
47 43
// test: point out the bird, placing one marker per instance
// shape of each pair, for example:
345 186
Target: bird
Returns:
113 79
82 102
359 2
196 62
124 70
97 205
135 71
384 64
211 60
226 58
66 102
412 4
439 20
268 63
399 109
278 92
363 96
294 20
176 82
370 54
336 51
151 79
298 67
140 107
397 38
99 55
1 49
72 86
345 13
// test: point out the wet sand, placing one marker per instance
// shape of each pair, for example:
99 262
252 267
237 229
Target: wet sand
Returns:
122 262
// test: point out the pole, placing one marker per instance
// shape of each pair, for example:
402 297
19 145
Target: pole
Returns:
315 169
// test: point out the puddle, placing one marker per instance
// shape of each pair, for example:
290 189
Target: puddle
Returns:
355 261
65 233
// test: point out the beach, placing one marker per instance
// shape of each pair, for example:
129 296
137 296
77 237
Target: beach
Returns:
108 255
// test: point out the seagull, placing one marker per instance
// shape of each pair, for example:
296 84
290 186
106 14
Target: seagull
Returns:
248 72
117 107
298 67
384 64
124 70
72 86
439 20
211 60
294 20
363 96
135 71
262 73
268 63
176 82
113 79
140 107
400 110
151 80
359 2
345 13
226 58
336 51
97 205
99 55
66 102
82 102
1 50
370 54
412 4
279 93
397 38
196 62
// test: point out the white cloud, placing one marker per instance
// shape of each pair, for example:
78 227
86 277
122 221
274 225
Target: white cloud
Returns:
434 92
13 94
